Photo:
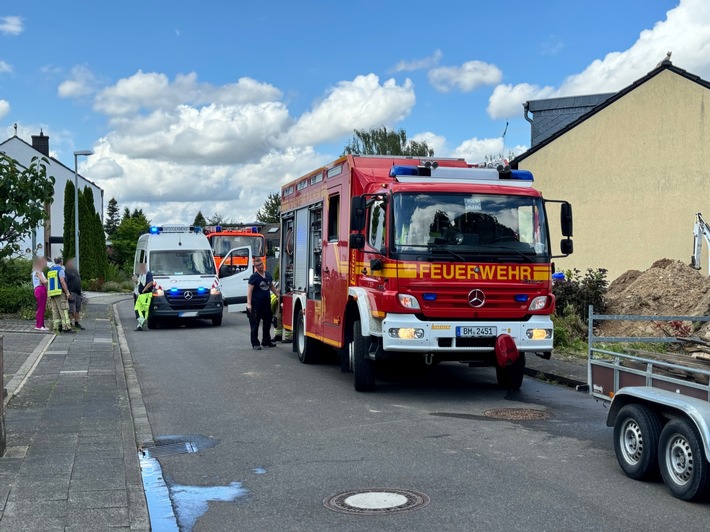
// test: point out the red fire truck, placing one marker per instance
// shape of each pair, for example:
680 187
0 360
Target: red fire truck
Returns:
423 260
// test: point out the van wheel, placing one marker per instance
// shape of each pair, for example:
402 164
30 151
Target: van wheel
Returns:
511 377
305 346
682 460
217 321
152 323
636 433
363 367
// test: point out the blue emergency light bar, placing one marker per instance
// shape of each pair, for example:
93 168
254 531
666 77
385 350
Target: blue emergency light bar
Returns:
462 174
158 229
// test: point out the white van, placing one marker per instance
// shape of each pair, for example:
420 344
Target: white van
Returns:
186 284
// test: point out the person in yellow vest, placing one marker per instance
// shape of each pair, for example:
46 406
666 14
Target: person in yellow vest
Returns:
144 293
59 297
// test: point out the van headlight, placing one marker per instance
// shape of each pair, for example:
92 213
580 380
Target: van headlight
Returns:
215 291
158 292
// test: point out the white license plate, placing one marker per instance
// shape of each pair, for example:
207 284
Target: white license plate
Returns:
188 314
476 332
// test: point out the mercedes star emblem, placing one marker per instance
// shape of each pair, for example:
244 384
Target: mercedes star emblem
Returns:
476 298
188 295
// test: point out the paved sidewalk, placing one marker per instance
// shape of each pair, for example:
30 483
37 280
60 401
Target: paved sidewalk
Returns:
20 352
72 460
565 370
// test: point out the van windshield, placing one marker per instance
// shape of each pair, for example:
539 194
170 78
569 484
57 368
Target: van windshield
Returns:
182 262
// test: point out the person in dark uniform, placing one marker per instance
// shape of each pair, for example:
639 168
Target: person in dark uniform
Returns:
261 284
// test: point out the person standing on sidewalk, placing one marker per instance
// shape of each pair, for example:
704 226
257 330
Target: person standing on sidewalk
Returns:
259 304
75 299
39 282
144 293
59 297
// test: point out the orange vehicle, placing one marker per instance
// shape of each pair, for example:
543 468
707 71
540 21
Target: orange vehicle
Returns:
222 240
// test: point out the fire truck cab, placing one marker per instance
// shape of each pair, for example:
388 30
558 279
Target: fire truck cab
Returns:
419 259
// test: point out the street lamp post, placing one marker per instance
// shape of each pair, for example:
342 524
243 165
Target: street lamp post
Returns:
84 153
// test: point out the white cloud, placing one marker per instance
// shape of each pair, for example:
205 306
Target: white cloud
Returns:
551 46
361 103
11 25
5 67
81 82
4 108
474 150
419 64
465 78
685 31
434 141
152 90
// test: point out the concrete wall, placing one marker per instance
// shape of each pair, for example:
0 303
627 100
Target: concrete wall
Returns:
635 173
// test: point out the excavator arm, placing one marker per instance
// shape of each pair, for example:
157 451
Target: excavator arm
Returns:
700 230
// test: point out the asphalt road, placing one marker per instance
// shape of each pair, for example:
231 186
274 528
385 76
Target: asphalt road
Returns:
293 435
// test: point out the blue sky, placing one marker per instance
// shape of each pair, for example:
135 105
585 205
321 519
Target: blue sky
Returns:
212 105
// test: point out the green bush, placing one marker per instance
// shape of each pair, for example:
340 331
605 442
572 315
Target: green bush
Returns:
14 272
577 292
127 286
570 330
111 286
17 299
115 274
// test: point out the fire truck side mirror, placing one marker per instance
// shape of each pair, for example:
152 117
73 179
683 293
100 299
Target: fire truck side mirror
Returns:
567 246
357 241
566 219
357 214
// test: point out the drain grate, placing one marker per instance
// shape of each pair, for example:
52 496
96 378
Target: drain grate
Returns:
518 414
182 447
376 501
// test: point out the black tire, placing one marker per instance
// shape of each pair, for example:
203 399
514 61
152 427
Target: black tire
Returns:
306 347
363 366
682 460
511 377
217 321
344 357
636 433
152 323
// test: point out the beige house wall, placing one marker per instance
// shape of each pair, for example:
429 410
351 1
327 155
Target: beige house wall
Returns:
636 173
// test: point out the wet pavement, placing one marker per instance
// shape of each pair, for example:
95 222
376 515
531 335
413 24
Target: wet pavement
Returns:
71 462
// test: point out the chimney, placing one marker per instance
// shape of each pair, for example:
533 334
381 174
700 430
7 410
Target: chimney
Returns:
41 143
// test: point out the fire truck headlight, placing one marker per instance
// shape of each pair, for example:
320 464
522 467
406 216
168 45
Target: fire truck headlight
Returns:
408 301
538 303
539 334
406 333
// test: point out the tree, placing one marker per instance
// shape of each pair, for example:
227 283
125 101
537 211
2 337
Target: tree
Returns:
381 141
269 213
113 217
199 220
219 219
68 248
125 240
24 193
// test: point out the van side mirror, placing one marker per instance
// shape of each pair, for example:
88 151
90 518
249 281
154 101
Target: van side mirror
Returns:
566 219
567 246
357 241
357 213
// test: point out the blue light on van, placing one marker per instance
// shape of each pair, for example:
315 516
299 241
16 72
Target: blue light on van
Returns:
202 290
174 290
155 230
521 298
429 297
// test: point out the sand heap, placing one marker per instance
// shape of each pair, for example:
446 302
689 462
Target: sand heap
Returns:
668 287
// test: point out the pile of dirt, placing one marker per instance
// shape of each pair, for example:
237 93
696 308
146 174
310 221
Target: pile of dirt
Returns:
668 287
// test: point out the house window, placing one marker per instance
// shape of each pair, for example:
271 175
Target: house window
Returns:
333 216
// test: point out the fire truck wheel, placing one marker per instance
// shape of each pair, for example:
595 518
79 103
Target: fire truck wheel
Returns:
684 466
636 433
305 346
511 377
363 366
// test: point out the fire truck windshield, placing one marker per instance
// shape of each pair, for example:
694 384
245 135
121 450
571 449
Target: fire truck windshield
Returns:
461 225
221 245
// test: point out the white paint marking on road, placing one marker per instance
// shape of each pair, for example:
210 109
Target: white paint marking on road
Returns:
25 371
103 340
376 500
73 372
16 451
102 319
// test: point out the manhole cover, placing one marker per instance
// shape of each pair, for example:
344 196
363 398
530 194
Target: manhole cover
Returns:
517 414
376 501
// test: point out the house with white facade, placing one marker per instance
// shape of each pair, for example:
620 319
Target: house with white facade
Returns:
48 238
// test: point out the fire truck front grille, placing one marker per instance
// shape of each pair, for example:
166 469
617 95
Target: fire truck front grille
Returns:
453 301
186 299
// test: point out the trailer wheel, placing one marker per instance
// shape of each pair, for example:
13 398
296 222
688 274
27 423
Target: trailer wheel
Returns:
683 463
362 366
636 433
511 377
305 346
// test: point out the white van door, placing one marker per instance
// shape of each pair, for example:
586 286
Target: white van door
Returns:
234 275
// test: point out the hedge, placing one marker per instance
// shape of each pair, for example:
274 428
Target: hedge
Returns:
17 300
